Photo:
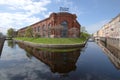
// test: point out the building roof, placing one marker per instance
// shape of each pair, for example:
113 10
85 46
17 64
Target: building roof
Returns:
115 18
23 28
59 13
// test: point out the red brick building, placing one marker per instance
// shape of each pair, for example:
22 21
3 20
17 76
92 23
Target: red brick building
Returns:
62 24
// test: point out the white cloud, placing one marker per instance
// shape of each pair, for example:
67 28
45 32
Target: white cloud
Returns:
26 71
27 5
15 20
21 12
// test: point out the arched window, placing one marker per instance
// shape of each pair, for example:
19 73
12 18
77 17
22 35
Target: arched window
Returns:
49 31
39 29
65 29
43 29
35 29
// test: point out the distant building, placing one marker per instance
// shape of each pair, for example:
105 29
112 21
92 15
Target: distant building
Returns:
111 29
110 32
62 24
114 27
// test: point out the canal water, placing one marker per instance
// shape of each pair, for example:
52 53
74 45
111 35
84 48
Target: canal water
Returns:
93 62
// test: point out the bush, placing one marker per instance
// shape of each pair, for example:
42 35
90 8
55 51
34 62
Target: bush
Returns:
37 35
84 35
29 32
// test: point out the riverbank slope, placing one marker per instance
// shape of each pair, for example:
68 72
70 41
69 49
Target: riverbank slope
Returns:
53 42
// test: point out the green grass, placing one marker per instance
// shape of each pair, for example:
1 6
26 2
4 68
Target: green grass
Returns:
53 40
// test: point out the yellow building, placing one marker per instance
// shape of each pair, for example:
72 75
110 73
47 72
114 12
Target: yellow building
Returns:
111 29
110 32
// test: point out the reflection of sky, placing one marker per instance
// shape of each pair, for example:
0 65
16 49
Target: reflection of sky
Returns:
92 64
9 53
14 65
26 71
95 65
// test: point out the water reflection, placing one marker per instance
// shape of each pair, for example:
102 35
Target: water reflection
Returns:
11 43
28 63
1 45
112 52
60 62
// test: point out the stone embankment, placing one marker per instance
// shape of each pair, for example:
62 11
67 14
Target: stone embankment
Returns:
57 46
1 44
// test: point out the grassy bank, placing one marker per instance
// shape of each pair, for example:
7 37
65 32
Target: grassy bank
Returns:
53 40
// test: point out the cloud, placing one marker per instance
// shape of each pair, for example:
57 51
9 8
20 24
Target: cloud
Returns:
20 13
24 69
26 5
95 27
15 20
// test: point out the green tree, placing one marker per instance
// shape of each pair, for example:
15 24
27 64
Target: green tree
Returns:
84 33
11 32
29 32
11 43
83 29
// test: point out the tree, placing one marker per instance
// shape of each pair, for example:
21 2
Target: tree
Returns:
84 33
11 43
83 29
29 32
11 32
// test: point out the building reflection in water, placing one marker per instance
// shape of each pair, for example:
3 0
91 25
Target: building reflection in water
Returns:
112 53
60 62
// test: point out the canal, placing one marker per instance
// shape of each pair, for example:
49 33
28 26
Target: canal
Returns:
93 62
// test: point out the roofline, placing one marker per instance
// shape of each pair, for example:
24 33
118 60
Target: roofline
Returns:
22 28
115 18
49 18
78 23
39 21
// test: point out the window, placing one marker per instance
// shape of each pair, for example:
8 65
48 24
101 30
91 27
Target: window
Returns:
65 29
38 29
49 30
35 29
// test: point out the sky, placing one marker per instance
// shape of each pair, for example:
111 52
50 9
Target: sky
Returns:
92 14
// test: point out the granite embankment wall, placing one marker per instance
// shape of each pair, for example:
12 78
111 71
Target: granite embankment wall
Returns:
1 44
57 46
114 42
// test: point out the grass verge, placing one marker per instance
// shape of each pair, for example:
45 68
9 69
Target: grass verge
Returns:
53 40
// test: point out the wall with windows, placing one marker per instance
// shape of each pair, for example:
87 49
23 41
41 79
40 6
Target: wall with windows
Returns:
60 24
111 29
111 32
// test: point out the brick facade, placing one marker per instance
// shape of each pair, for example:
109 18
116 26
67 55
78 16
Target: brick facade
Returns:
60 24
